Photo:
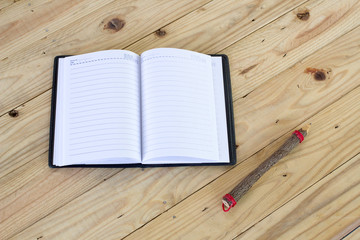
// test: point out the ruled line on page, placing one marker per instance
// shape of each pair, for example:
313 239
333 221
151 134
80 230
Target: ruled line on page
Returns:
178 148
99 88
128 135
106 98
102 75
98 94
101 124
103 81
95 104
159 133
99 69
103 150
100 145
103 140
97 119
91 115
102 129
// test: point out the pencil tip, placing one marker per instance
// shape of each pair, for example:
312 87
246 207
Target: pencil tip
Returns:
307 127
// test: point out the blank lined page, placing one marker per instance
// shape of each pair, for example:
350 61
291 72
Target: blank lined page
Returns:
178 108
101 108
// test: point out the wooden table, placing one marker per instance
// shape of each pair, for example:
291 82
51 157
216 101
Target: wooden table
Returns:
292 63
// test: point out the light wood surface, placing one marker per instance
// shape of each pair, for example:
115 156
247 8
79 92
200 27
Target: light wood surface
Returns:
275 48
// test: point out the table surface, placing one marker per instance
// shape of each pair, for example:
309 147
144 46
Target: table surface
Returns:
292 63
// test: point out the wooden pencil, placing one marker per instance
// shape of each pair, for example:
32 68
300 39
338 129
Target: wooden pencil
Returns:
230 199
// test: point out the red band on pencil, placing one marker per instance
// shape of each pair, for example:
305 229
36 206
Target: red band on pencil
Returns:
230 199
299 135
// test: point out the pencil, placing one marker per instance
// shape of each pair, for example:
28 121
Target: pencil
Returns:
230 199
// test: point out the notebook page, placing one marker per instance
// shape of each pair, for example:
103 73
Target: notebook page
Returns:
178 109
221 121
101 108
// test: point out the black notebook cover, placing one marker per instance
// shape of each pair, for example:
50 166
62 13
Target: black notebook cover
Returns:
229 117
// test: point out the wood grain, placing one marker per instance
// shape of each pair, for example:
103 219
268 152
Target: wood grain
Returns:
216 25
296 112
30 40
279 45
320 212
295 95
325 149
119 205
26 136
31 192
6 3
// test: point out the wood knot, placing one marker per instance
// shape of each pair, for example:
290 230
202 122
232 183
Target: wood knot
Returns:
14 113
303 16
114 25
319 74
160 33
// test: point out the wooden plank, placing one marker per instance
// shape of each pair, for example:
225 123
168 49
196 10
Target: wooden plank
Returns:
216 25
321 212
25 135
137 192
30 40
31 188
325 149
279 45
24 23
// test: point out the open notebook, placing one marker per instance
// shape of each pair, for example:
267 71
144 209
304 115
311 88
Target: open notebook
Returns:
166 107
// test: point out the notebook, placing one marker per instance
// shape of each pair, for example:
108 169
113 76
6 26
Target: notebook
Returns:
165 107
